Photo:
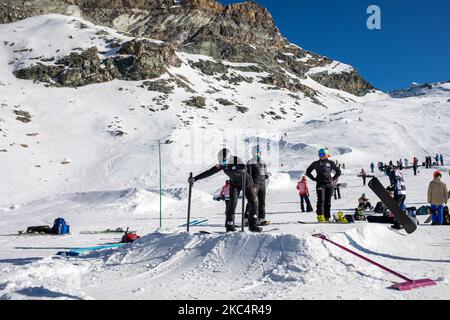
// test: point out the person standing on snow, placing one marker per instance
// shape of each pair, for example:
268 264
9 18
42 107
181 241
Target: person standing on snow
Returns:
372 167
324 183
225 194
336 189
236 170
415 165
441 158
406 163
257 169
363 174
303 192
437 197
397 185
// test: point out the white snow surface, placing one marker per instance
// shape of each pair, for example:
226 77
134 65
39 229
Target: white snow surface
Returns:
110 182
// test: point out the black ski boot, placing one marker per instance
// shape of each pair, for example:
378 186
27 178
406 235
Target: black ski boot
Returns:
230 228
255 228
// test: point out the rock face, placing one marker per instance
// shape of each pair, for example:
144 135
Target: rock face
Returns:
243 32
136 60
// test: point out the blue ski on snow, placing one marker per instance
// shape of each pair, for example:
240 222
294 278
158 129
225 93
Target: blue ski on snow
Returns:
78 251
195 223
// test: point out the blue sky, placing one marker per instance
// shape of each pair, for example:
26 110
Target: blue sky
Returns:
413 44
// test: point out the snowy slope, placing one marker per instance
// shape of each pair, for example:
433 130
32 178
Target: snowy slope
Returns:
66 162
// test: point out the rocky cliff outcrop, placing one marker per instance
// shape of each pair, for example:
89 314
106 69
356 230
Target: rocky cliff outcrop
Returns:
243 32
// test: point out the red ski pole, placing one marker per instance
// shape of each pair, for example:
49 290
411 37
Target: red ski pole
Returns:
408 285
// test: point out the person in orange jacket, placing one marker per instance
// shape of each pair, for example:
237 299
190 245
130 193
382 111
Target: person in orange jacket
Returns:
303 192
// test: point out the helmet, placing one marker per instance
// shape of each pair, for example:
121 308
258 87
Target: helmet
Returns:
223 157
437 174
256 152
323 153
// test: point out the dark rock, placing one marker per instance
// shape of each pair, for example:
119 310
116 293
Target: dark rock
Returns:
159 85
210 67
197 102
224 102
241 109
350 82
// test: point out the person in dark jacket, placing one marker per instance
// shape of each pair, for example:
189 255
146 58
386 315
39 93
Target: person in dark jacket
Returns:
236 170
363 174
257 169
397 185
324 183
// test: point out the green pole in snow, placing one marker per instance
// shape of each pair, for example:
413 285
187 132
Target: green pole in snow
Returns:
160 185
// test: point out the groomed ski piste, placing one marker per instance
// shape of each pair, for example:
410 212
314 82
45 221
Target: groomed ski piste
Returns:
108 182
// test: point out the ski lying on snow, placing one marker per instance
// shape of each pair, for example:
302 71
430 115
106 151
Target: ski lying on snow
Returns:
79 251
224 232
119 230
194 223
323 223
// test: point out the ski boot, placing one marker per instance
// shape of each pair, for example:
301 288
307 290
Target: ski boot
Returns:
263 222
255 228
321 219
396 226
230 228
341 218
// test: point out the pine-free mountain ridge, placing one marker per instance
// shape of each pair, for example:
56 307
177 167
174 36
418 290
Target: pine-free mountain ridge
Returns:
244 33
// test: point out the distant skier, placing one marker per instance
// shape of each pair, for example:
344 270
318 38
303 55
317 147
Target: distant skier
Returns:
257 169
336 189
372 167
225 194
363 174
437 197
324 183
303 192
441 158
236 170
415 166
436 159
397 185
406 163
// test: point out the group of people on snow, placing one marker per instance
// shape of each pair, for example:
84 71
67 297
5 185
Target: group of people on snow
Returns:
251 178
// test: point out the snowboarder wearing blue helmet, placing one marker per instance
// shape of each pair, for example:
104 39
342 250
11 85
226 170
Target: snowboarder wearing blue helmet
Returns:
324 183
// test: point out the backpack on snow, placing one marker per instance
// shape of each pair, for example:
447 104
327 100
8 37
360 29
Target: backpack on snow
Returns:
60 226
360 215
379 207
446 216
129 237
39 229
423 211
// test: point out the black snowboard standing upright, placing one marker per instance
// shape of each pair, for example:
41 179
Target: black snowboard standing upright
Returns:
403 219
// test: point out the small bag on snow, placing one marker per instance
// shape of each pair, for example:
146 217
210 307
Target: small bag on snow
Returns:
423 211
360 215
60 227
446 216
129 237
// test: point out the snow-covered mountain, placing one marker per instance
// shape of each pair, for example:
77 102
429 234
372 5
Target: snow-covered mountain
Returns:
85 97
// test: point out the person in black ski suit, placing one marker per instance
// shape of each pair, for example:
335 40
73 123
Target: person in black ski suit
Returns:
324 183
236 170
257 169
